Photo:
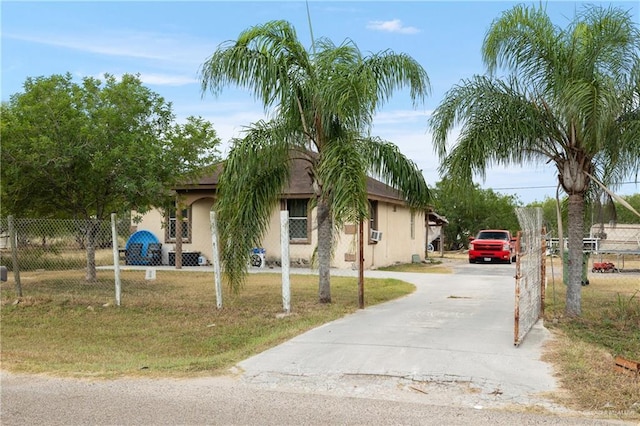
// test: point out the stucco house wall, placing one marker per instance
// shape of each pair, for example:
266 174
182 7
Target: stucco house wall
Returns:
403 231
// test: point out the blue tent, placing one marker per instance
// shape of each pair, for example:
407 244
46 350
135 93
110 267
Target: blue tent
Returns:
143 248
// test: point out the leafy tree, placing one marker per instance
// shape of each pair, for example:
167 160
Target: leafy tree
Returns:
626 216
605 211
322 103
550 215
478 209
85 150
570 97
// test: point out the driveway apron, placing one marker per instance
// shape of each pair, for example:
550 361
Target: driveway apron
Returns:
450 341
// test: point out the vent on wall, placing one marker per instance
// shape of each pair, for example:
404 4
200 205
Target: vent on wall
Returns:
375 235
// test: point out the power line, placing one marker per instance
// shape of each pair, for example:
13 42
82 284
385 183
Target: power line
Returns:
548 186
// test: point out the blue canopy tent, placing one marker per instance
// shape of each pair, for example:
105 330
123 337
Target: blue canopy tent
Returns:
143 248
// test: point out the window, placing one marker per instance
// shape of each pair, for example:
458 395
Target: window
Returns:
373 219
298 220
170 234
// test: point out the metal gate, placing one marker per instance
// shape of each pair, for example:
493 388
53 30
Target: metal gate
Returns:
530 272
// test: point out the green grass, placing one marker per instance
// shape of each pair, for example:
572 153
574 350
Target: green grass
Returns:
166 327
432 265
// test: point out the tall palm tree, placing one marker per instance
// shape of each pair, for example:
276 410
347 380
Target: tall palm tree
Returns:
570 97
321 104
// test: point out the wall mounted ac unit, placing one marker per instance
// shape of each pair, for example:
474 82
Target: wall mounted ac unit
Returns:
375 235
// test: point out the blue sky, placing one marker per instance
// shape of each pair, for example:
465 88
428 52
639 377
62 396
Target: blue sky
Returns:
167 41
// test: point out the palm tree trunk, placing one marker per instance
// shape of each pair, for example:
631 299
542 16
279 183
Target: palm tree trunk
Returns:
325 227
575 256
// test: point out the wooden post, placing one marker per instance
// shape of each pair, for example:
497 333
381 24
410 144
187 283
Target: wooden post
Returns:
426 248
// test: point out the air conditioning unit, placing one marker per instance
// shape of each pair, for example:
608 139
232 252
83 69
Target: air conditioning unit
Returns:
375 235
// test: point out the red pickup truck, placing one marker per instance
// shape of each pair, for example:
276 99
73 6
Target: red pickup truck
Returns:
492 244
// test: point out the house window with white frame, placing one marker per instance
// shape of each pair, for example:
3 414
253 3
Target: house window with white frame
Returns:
170 230
298 220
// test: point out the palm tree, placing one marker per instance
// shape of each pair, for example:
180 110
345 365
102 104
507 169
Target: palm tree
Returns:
570 97
321 104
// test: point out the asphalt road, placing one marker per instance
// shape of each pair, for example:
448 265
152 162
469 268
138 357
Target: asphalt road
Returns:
441 356
34 400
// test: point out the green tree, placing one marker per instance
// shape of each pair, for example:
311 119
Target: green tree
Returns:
85 150
626 216
570 97
322 103
605 210
478 209
550 215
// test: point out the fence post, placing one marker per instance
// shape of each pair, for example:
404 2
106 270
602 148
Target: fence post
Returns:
13 240
217 274
361 264
116 258
543 270
285 262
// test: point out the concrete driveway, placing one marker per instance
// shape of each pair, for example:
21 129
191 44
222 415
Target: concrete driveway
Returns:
450 342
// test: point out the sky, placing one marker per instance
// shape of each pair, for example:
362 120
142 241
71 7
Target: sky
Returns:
166 42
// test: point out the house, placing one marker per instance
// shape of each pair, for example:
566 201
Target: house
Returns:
400 237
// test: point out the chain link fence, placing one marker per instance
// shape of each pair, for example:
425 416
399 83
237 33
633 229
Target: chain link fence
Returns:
65 259
530 272
92 262
611 255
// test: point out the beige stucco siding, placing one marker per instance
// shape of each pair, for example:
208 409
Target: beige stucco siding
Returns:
394 221
201 228
154 222
397 244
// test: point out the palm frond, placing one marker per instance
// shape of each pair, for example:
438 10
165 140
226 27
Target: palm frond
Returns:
384 160
521 40
252 180
342 173
500 125
256 61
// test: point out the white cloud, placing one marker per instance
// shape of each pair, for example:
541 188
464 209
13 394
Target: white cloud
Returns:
167 80
393 26
401 116
173 49
149 78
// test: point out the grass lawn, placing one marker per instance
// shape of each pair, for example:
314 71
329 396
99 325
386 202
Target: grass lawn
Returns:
166 327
